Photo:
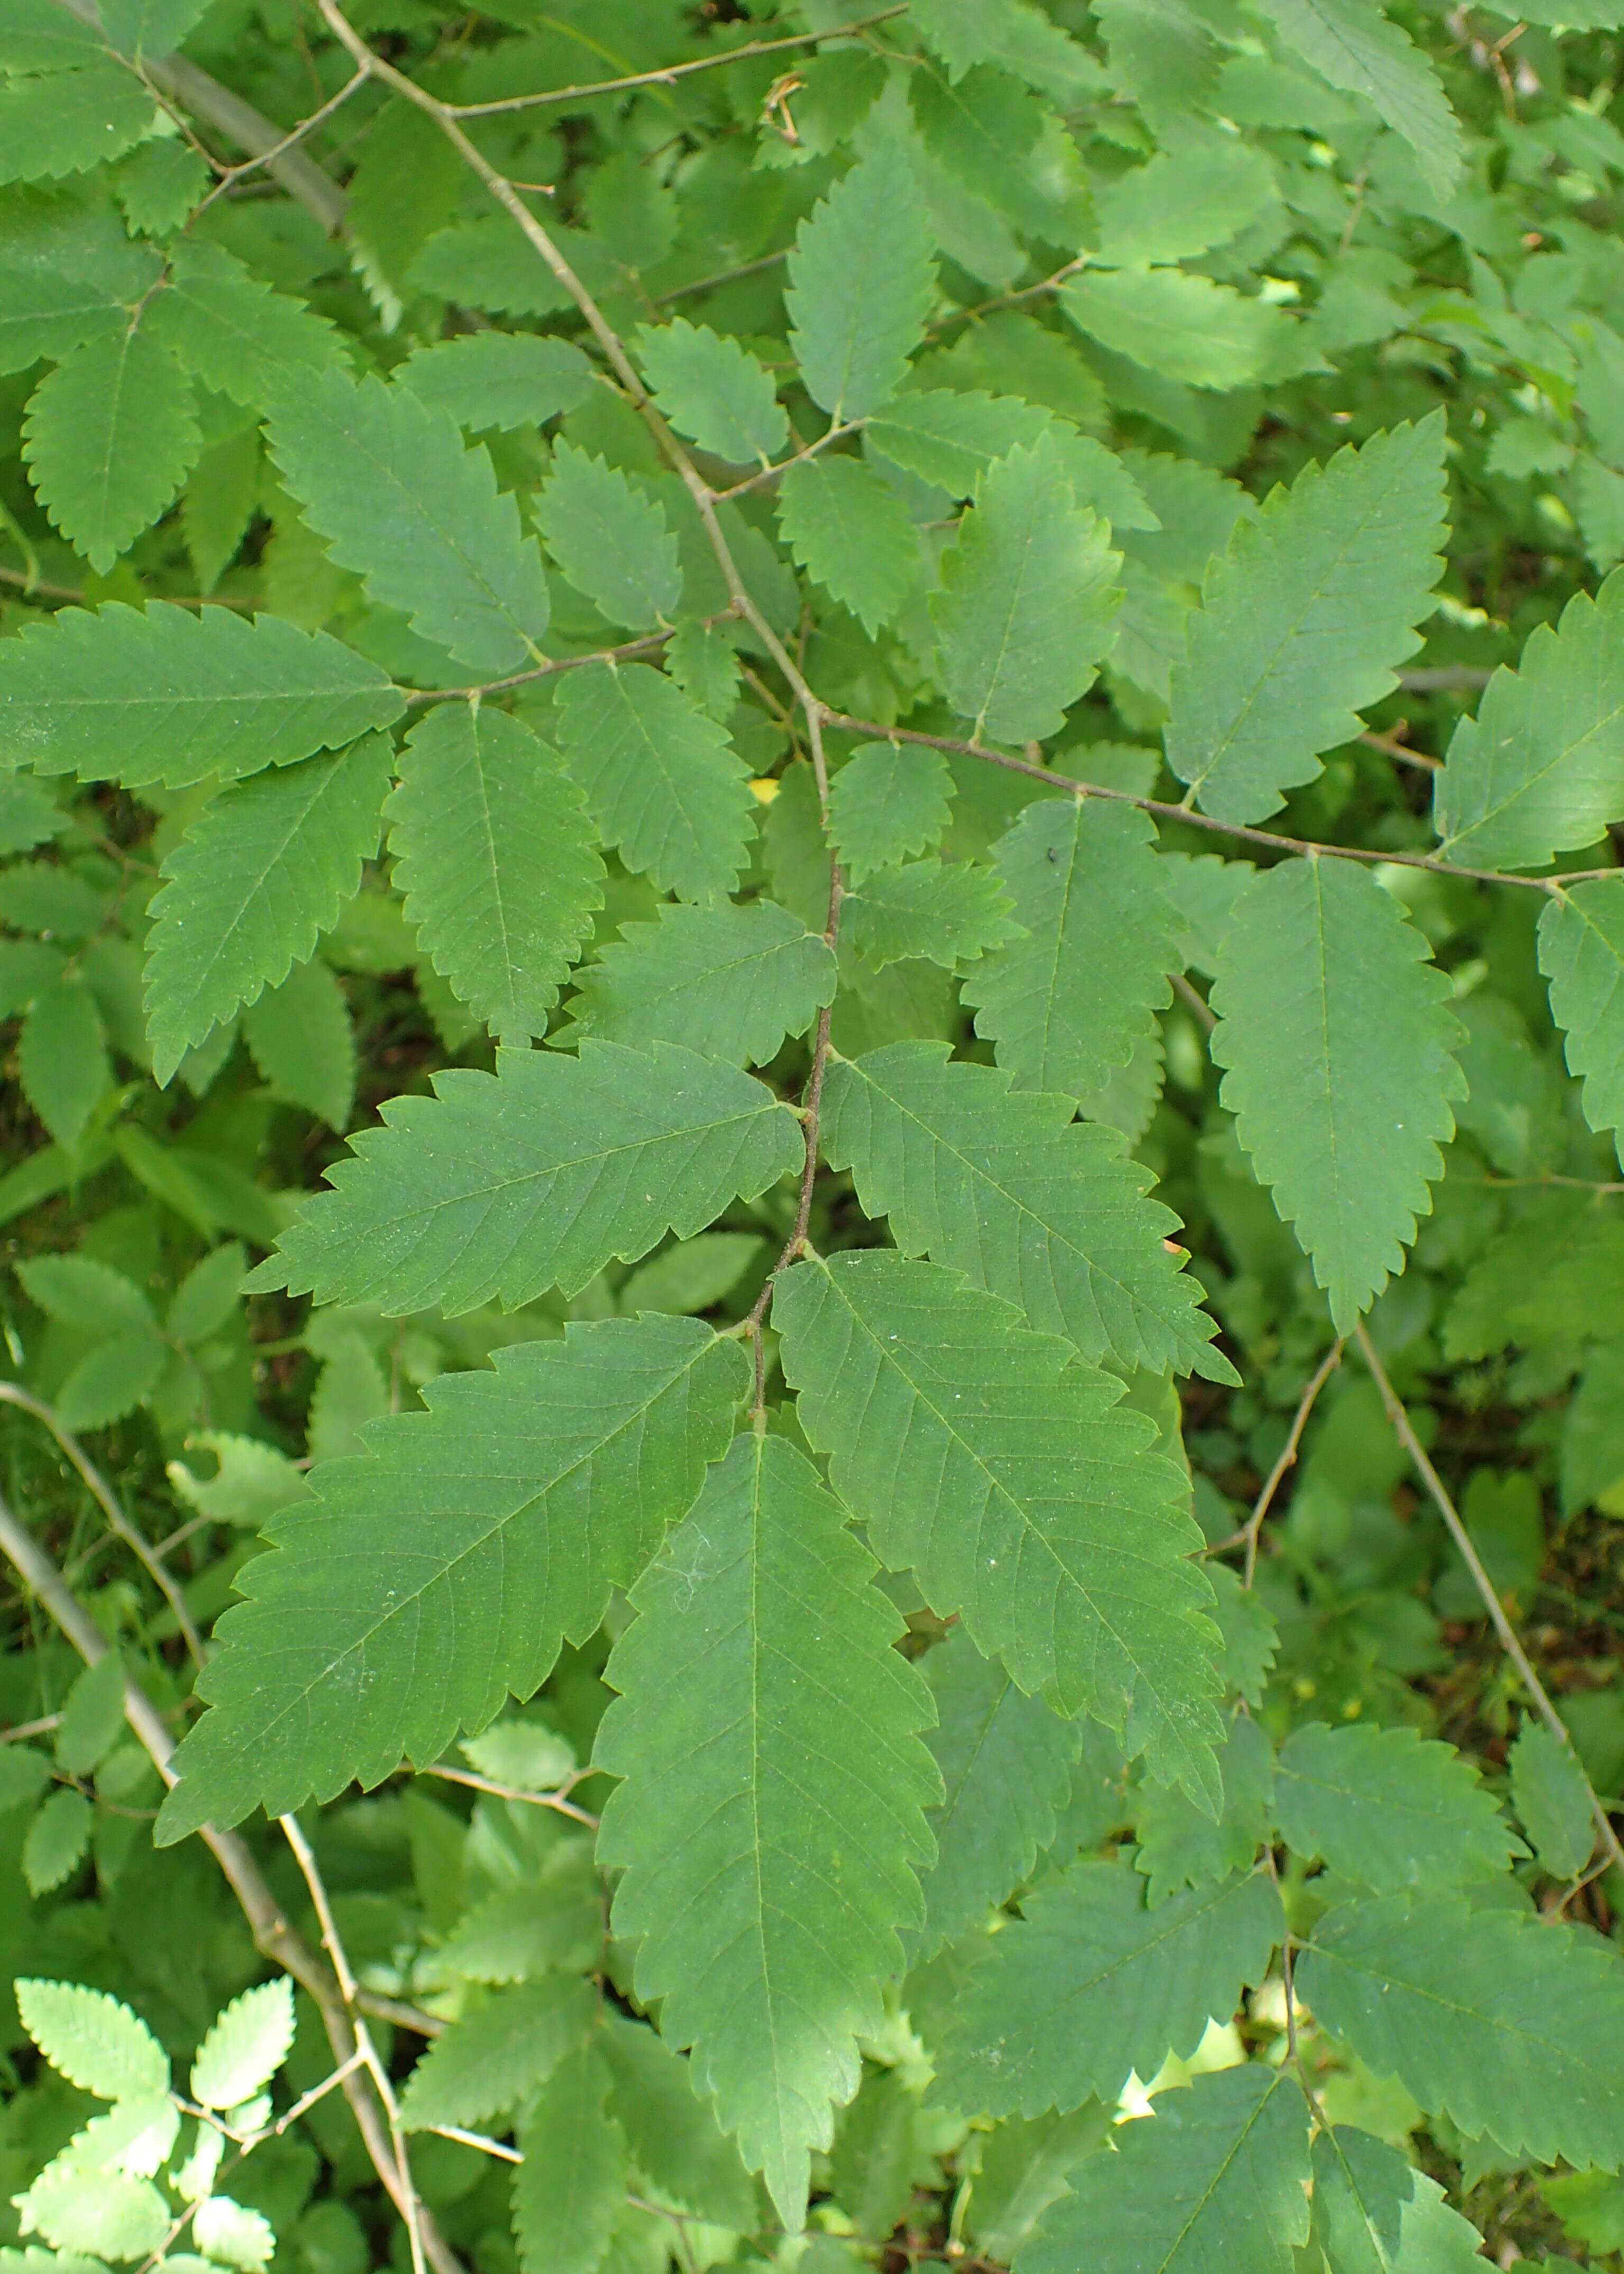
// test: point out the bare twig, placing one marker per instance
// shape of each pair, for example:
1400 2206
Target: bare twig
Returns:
1391 747
559 1801
233 175
766 474
644 646
1194 1002
1287 1458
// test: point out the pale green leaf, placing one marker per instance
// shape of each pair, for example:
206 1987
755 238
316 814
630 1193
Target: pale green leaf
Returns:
107 2212
1028 600
24 1775
503 379
1201 192
71 120
732 980
82 1292
93 1716
95 2042
1375 2213
108 438
59 1836
949 911
495 856
245 2045
1027 2164
1553 1801
61 1058
112 1380
848 529
233 2235
1181 326
299 1036
768 1862
1582 955
442 1567
206 1297
888 804
1305 619
860 284
570 2189
663 782
252 1480
610 540
496 2055
713 390
1003 1472
1388 1808
1340 1075
1355 47
257 879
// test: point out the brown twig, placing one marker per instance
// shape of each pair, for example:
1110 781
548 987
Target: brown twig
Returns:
1287 1458
558 1801
233 175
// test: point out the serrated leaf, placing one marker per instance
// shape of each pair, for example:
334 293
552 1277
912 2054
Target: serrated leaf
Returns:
112 1380
234 334
663 782
107 2212
150 29
713 390
94 2041
61 1058
1026 1202
1355 47
1388 1808
245 2045
1375 2213
24 1775
886 805
442 1567
496 2056
1067 1006
503 379
507 1184
158 184
58 1838
1201 192
1011 32
41 896
108 438
1028 600
162 696
1582 955
732 980
496 857
848 528
232 2234
674 2135
252 886
570 2189
610 540
1181 1847
860 283
93 1716
299 1037
35 38
1090 1985
1340 1075
1026 2166
1181 326
768 1865
1006 1770
82 1292
71 120
947 912
1000 1469
1216 2175
1305 619
206 1297
1552 1800
1507 2024
388 483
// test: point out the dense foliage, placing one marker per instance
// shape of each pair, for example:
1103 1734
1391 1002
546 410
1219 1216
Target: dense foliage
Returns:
914 715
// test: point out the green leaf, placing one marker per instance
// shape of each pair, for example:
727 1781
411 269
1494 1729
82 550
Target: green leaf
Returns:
105 2212
150 29
59 1837
1388 1808
1507 2024
663 782
24 1775
233 335
251 887
768 1862
61 1058
442 1567
496 857
1216 2175
1003 1472
503 379
888 804
673 2135
610 540
1332 1026
860 284
848 528
1540 770
159 185
1180 326
233 2235
497 2055
1069 1003
93 1716
71 120
1181 1847
39 896
570 2189
94 2041
1006 1767
1182 202
206 1297
1354 47
1011 32
1024 2167
389 483
692 1276
1582 955
1026 1202
1305 619
1028 600
84 1293
1552 1800
164 695
947 911
734 980
299 1036
112 1380
245 2045
1375 2213
713 390
1091 1986
109 437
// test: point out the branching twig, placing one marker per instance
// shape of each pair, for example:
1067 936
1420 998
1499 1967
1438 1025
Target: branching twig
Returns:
233 175
1287 1459
560 1801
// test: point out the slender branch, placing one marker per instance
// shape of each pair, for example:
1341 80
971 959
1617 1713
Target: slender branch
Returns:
766 474
1194 1002
1431 678
1401 752
233 175
1404 1431
724 276
480 2140
1287 1459
553 1800
644 646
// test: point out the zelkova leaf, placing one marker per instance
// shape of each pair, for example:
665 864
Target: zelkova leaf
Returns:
769 1857
610 540
503 379
232 333
299 1036
886 805
1067 1005
1582 955
1006 1769
945 912
67 121
257 879
1553 1801
1029 599
162 695
860 283
733 981
444 1566
1388 1808
493 2058
1181 326
1540 770
1090 1985
663 782
1028 1203
1333 1026
713 390
109 437
1375 2213
1354 46
94 2041
1509 2024
495 854
390 486
571 2186
1305 620
244 2046
503 1185
1003 1472
848 529
1215 2176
